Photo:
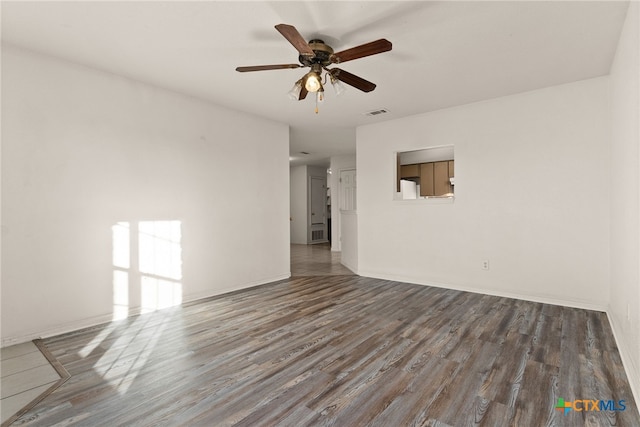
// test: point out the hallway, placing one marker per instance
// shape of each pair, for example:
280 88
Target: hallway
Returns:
316 260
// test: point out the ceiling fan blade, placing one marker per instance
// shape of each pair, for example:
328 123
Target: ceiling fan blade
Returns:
290 33
367 49
267 67
303 93
352 80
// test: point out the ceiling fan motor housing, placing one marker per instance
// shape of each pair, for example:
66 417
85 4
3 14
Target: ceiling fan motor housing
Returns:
322 55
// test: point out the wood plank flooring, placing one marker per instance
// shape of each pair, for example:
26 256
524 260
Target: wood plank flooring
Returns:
343 351
316 260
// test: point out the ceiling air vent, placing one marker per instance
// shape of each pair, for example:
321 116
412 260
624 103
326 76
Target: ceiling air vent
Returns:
376 112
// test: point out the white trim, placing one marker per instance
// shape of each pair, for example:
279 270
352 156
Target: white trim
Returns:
349 254
350 267
445 200
203 295
526 297
310 226
633 376
108 318
60 329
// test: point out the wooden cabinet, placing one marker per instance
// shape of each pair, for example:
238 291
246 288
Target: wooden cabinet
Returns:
433 177
409 171
441 182
427 187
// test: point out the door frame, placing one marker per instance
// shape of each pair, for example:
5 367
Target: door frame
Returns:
310 226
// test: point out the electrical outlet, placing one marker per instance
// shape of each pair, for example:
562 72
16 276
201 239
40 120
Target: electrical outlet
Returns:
485 264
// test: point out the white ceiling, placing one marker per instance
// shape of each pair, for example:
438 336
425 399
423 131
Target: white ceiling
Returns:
444 53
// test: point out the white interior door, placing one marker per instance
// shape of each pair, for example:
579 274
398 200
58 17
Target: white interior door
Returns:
348 190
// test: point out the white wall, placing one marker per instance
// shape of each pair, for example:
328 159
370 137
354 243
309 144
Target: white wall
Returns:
624 306
83 150
349 231
338 163
531 197
298 196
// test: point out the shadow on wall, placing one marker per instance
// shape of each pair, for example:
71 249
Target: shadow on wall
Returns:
147 258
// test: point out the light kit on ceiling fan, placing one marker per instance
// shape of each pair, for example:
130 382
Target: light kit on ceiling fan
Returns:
313 83
318 56
312 80
338 87
294 93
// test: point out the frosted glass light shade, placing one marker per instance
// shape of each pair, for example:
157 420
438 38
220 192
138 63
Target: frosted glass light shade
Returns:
294 93
338 86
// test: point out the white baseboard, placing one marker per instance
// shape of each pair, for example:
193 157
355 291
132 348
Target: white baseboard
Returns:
57 330
350 267
203 295
633 374
106 318
526 297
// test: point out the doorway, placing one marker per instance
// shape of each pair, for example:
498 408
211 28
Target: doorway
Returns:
317 210
316 260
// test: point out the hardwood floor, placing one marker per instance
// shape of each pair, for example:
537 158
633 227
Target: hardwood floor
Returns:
316 260
344 351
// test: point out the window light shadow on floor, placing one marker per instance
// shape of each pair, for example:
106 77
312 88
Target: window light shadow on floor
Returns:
147 273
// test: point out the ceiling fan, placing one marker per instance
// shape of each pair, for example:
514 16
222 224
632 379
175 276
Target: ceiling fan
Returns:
318 56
